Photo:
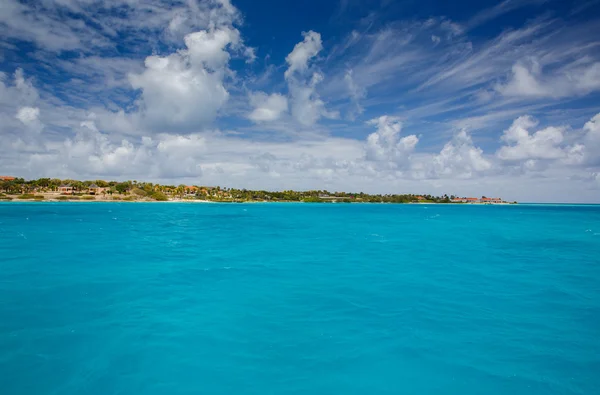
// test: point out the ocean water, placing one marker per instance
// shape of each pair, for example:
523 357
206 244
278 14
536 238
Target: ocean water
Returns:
159 298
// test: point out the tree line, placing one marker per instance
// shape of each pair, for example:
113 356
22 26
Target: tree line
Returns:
163 192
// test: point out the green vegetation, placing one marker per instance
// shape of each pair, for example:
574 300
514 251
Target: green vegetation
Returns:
159 196
137 190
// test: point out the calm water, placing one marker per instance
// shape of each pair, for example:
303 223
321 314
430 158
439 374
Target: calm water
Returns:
109 298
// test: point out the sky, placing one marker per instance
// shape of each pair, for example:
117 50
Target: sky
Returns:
471 98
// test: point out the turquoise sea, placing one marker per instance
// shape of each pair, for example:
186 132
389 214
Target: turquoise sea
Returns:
175 298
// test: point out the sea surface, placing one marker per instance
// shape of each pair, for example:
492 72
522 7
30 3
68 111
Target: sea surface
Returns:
175 298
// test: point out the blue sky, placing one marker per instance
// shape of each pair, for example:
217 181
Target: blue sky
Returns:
468 98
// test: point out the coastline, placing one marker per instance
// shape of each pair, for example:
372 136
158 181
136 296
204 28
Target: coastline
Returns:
199 201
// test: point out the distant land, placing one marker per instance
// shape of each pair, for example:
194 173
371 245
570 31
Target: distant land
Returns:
54 189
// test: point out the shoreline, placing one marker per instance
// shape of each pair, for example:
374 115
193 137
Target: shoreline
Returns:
522 204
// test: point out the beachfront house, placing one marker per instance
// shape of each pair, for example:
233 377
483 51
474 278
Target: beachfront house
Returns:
477 200
95 189
65 189
6 178
191 190
491 200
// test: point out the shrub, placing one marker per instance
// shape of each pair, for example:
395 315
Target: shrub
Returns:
129 198
159 196
62 198
312 199
38 197
26 196
88 197
138 192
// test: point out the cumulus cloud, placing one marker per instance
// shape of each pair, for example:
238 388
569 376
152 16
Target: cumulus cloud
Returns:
267 107
523 145
528 80
385 145
303 52
185 89
306 104
92 153
459 158
28 115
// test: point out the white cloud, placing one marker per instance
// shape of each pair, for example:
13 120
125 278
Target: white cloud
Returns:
28 115
303 52
523 145
185 89
96 24
207 49
356 94
267 107
529 81
591 140
20 93
459 158
385 145
306 104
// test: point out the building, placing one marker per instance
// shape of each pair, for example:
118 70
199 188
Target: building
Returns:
95 189
477 200
491 200
6 178
65 189
335 198
190 190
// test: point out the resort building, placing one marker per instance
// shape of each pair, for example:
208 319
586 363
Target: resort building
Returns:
65 189
95 189
6 178
477 200
491 200
191 190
